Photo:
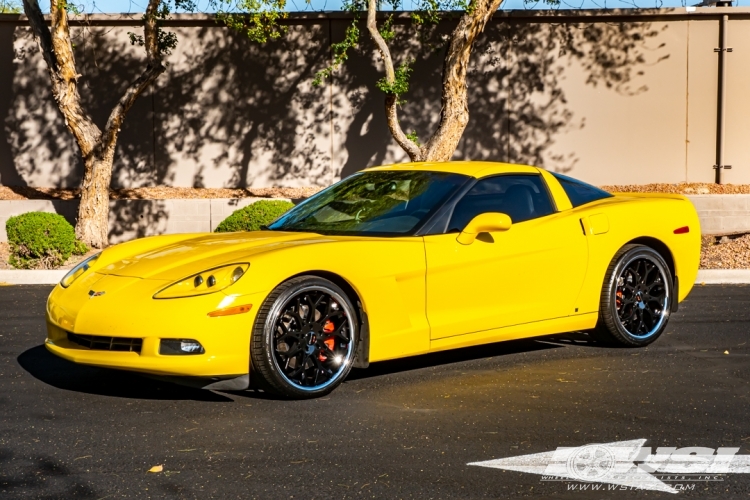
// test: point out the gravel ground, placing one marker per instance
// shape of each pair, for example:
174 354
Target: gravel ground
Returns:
166 192
72 261
725 252
681 188
157 193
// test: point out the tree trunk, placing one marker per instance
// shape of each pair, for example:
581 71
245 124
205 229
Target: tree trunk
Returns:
454 115
391 101
93 211
97 146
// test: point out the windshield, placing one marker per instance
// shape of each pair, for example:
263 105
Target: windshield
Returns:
379 203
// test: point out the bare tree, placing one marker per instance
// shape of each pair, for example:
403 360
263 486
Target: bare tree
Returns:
97 146
454 115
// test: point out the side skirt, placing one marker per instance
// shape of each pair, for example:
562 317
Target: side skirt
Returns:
525 330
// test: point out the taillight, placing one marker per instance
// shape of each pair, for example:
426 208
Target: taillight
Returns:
682 230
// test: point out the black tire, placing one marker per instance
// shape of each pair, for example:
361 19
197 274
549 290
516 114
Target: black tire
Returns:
304 339
636 297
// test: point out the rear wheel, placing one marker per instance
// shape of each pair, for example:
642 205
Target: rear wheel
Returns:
636 297
304 339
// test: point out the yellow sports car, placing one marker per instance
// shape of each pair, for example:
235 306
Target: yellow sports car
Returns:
391 262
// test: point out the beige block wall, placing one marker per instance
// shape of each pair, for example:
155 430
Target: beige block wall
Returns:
627 127
737 149
628 99
233 113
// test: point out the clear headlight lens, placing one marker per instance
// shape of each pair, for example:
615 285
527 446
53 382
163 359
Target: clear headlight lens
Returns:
77 271
210 281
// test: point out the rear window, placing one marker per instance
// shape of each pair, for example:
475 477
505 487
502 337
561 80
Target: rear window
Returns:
579 192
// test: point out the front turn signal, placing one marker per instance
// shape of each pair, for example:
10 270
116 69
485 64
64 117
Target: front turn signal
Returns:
228 311
209 281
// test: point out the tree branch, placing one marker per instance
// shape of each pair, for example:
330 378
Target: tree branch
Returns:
58 54
454 115
154 68
42 34
391 101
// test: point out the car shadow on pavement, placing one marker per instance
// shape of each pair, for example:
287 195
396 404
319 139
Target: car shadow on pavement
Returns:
474 353
62 374
578 339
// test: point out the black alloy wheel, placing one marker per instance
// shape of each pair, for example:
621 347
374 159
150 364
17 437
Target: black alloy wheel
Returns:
636 297
304 340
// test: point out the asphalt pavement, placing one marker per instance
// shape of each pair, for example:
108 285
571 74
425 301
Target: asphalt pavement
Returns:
402 429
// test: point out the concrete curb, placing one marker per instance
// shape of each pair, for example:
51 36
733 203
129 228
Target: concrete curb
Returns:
723 276
35 277
52 277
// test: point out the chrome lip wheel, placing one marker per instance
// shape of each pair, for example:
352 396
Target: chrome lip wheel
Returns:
642 297
311 336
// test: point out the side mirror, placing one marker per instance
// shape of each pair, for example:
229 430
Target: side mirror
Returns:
484 223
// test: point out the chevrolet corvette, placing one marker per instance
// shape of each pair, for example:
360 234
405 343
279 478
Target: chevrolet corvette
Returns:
394 261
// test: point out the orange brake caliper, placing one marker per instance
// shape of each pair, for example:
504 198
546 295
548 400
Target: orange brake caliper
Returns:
328 327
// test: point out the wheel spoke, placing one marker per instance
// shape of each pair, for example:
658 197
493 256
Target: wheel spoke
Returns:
286 333
648 267
318 300
290 353
301 368
331 315
636 270
298 313
657 287
319 367
625 301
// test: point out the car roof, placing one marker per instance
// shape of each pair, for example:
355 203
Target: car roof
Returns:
476 169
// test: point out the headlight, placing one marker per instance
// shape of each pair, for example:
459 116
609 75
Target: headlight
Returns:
209 281
77 271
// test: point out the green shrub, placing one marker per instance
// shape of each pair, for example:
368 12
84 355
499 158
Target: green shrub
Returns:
41 240
250 218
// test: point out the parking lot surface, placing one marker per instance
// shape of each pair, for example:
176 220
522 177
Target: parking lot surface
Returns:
401 429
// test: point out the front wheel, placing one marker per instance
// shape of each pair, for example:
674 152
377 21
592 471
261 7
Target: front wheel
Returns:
304 340
636 297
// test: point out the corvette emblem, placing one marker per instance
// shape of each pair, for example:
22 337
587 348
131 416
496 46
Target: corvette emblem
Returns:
93 294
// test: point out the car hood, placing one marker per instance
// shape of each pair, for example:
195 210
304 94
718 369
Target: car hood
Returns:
176 257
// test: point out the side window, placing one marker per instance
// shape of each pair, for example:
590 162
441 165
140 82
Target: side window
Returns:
579 192
522 197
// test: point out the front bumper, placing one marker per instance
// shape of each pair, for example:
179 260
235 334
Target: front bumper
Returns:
129 311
